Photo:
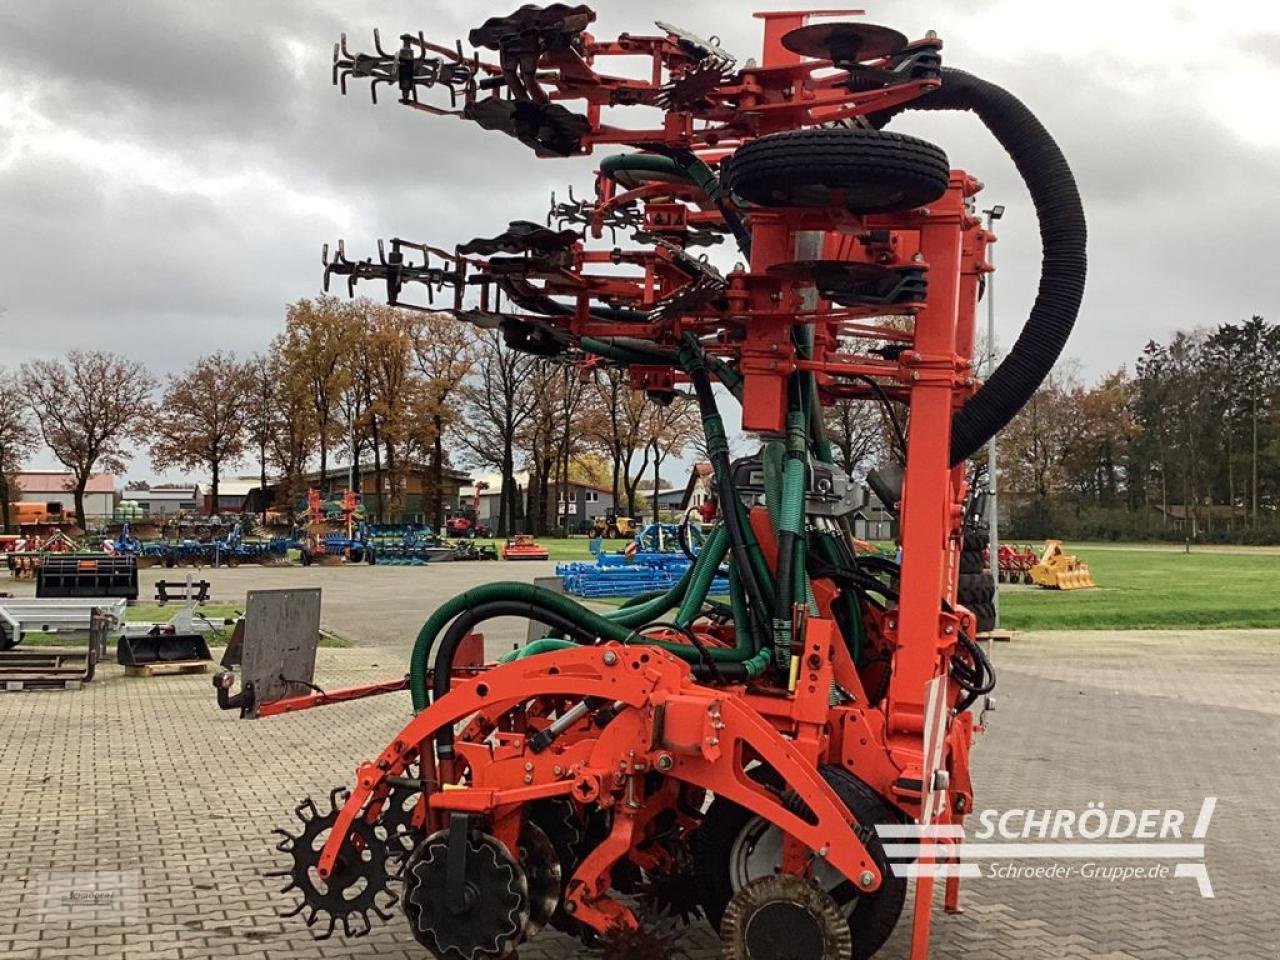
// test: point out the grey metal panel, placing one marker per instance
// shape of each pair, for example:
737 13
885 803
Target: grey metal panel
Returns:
281 632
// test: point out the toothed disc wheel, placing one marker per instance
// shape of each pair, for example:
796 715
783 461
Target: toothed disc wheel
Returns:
356 888
784 918
542 870
733 848
493 910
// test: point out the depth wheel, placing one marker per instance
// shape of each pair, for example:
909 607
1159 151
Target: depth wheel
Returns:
734 847
865 171
784 918
496 911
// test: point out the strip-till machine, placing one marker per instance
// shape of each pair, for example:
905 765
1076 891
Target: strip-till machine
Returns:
680 755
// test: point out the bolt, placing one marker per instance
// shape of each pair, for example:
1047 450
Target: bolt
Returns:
665 761
866 878
822 851
610 658
528 778
528 765
714 741
570 907
557 770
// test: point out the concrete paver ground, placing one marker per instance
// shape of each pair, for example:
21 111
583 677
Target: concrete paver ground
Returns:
147 777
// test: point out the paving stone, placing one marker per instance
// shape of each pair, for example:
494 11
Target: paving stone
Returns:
146 776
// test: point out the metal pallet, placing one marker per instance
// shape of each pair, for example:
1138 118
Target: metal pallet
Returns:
19 616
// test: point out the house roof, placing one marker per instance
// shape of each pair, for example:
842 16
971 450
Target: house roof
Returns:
234 487
178 494
56 481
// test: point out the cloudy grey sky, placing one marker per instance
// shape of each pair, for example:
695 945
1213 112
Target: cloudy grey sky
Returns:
169 170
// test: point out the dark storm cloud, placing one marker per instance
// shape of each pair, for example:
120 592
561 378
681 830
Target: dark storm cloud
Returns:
168 171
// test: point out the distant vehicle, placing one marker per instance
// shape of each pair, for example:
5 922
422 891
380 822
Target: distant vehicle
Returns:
467 523
613 527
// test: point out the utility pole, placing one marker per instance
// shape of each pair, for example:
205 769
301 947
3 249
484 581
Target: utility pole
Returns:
993 497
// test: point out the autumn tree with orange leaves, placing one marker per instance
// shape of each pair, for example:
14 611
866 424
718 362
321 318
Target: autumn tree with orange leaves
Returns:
205 420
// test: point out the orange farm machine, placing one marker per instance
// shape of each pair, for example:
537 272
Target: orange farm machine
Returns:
737 759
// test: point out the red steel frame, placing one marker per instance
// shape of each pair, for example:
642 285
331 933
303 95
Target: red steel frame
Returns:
702 737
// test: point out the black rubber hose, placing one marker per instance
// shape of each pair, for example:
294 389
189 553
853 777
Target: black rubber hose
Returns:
728 496
461 627
1063 236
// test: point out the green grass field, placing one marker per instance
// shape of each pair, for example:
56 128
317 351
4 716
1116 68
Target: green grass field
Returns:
574 548
1140 586
221 615
1146 587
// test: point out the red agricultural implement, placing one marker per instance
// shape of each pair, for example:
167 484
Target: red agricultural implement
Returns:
523 547
1014 563
739 760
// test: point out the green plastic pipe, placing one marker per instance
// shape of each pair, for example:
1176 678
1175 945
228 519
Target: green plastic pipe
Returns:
704 574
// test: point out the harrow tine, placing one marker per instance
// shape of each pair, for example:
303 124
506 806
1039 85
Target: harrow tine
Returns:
308 805
333 922
285 914
333 797
310 918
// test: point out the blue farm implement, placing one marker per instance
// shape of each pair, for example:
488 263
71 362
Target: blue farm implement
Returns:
653 561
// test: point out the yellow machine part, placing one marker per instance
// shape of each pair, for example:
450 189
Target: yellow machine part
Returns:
1060 571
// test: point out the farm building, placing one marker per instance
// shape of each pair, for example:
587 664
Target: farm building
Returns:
231 494
582 502
415 506
56 486
165 500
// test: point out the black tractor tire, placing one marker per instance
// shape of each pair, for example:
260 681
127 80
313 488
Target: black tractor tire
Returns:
873 917
971 584
985 614
865 171
971 563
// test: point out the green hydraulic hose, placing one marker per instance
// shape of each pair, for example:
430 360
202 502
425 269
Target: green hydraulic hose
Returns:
617 630
545 645
638 599
487 593
654 609
704 574
631 352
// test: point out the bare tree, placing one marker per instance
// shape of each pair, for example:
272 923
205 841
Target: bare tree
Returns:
89 405
496 403
260 386
617 421
671 428
856 429
18 438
